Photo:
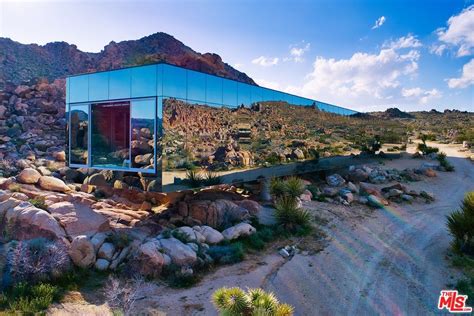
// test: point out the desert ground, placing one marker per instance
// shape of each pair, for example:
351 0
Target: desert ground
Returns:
372 261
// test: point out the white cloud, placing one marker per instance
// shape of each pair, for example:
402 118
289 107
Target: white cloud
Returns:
238 65
268 84
379 22
409 41
266 61
423 96
296 52
438 49
466 79
362 77
460 32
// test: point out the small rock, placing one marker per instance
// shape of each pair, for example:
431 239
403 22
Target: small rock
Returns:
29 176
106 251
335 180
407 197
53 184
394 193
82 252
284 253
353 187
239 230
101 264
211 235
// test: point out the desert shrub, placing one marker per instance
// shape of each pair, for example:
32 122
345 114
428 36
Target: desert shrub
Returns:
211 178
225 254
27 299
369 145
235 301
36 260
289 215
426 150
121 295
39 202
292 187
194 178
461 225
119 239
443 161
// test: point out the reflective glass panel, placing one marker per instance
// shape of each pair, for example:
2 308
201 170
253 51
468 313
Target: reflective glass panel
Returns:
229 92
144 81
79 89
256 94
214 89
110 135
78 131
119 84
243 94
99 86
143 134
174 82
196 86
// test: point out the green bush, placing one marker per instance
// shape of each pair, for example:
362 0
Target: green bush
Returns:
28 299
39 202
461 225
226 254
194 178
443 161
290 216
235 301
292 187
211 178
277 187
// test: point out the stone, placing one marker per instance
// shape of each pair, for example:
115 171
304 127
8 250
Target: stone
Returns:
79 219
429 172
82 252
369 189
330 192
395 193
97 240
106 251
20 196
363 200
180 254
252 206
237 231
101 264
59 155
218 213
284 253
358 175
307 196
407 197
211 235
149 260
191 234
29 176
347 196
53 184
24 221
376 201
351 186
193 246
97 179
44 171
298 153
335 180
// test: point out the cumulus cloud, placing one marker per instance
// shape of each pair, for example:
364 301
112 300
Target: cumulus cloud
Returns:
363 75
266 61
466 79
423 96
460 32
379 22
409 41
297 52
268 84
438 49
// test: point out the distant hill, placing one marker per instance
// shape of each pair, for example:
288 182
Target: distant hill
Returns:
392 113
23 62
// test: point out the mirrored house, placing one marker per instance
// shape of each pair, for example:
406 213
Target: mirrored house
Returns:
182 128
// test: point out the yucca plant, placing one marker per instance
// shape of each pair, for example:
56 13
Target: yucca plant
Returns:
212 178
288 214
461 225
194 178
277 187
255 302
294 187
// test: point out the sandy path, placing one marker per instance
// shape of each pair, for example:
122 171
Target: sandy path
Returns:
390 264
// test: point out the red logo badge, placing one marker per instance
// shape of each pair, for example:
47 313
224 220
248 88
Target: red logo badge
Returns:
453 302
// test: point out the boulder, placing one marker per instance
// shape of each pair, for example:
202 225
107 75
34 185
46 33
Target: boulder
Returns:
79 219
331 192
369 189
358 175
306 196
239 230
98 240
149 260
335 180
53 184
82 252
252 206
211 235
215 214
106 251
395 193
180 254
24 221
97 179
191 234
29 176
352 187
101 264
407 197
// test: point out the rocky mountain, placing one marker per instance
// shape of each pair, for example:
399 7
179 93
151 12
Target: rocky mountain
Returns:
23 62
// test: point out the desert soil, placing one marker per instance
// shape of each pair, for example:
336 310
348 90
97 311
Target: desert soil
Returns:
385 261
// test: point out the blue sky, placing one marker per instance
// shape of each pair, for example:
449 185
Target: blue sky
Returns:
366 55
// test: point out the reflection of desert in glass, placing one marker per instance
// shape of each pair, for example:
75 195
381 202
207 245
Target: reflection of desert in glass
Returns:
227 140
79 134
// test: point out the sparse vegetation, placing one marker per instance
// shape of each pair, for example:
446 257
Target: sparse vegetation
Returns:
39 202
461 226
292 187
26 299
424 148
289 215
235 301
443 161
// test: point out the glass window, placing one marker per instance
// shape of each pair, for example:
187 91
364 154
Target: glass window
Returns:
229 92
159 79
196 86
256 94
110 135
67 90
119 84
144 81
174 82
143 134
79 89
99 86
243 94
78 132
214 89
267 95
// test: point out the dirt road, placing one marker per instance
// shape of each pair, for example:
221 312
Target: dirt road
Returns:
393 263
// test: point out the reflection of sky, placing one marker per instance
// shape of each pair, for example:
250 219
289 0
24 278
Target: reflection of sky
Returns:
143 109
